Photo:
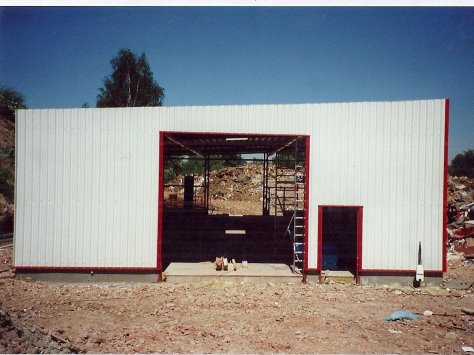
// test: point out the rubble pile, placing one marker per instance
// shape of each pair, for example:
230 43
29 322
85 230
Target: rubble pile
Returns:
6 255
461 218
241 183
16 337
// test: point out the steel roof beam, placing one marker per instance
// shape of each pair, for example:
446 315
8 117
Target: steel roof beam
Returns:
185 147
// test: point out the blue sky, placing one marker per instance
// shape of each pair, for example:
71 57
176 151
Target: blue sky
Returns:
59 56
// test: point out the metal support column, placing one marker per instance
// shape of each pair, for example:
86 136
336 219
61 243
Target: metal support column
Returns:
266 188
206 182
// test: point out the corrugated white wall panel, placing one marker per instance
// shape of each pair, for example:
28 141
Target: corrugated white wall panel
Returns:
388 158
84 190
87 179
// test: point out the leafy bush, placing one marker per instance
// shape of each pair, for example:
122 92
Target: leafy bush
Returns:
185 166
10 100
463 164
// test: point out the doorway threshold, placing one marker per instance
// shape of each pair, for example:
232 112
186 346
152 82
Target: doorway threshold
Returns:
338 276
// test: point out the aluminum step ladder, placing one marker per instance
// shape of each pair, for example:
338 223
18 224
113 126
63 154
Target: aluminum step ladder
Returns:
299 228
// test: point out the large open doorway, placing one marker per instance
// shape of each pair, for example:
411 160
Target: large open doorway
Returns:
340 238
243 197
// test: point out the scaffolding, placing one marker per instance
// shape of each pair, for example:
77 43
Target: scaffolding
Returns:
290 198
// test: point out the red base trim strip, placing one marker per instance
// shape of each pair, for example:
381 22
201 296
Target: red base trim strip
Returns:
376 272
429 273
130 270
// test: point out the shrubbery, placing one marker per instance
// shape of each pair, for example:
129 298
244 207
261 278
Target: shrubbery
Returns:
7 173
463 164
183 166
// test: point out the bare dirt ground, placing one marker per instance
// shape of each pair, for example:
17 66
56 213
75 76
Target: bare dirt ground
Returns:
216 317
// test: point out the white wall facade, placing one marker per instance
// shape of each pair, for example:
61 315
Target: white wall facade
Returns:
87 179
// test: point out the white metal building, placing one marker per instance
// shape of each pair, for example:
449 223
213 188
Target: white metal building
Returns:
89 182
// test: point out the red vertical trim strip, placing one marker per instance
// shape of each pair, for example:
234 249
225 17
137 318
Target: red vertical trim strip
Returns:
160 200
445 183
360 219
320 238
306 203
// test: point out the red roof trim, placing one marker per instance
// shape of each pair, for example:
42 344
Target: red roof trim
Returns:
377 272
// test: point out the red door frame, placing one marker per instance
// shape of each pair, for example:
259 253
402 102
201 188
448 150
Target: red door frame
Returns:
161 154
360 221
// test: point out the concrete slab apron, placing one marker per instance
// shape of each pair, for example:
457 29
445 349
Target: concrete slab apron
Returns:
458 284
197 272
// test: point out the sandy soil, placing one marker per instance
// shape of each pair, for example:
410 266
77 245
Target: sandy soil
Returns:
215 317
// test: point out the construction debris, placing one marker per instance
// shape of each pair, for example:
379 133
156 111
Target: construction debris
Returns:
427 313
219 263
224 264
400 315
337 276
460 210
6 253
468 311
393 331
460 231
458 284
17 337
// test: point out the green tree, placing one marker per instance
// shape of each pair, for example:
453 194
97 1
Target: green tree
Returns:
10 100
173 168
463 164
190 165
232 160
131 83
